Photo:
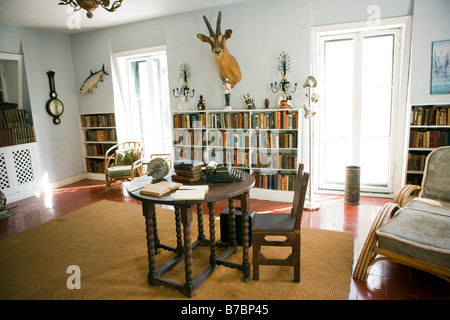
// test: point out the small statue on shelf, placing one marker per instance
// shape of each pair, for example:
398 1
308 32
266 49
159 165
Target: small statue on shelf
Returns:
201 103
226 86
266 103
249 101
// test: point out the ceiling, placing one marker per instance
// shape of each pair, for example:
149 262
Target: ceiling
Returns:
48 15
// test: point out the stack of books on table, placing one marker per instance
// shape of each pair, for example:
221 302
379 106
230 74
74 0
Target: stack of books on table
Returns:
188 170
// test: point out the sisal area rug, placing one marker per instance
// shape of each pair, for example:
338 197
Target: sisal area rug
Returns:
106 243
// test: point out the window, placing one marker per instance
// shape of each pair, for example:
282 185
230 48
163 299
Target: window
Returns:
359 74
144 114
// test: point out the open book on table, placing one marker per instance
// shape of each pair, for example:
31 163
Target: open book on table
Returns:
191 192
160 188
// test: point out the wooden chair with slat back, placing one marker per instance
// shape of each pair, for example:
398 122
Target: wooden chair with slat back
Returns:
277 224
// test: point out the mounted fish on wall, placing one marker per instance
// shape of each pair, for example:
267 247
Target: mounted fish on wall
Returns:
91 82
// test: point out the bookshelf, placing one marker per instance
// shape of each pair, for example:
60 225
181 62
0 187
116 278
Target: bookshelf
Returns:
16 127
429 129
99 134
263 142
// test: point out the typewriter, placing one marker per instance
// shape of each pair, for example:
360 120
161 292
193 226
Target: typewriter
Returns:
216 172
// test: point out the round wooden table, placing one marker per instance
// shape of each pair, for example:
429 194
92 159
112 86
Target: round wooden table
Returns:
183 215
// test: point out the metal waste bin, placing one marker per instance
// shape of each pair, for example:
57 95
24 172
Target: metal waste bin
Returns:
352 177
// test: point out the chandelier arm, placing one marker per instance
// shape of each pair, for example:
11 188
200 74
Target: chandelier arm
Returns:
73 4
116 5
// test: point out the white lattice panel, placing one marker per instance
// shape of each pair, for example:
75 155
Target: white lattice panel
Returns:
4 181
18 176
23 166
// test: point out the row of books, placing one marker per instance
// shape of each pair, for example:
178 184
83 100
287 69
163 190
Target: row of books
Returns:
275 120
97 150
15 128
275 140
235 157
101 135
237 139
276 161
238 120
99 120
416 161
189 120
234 120
429 139
228 139
189 138
188 153
15 118
95 165
279 181
430 116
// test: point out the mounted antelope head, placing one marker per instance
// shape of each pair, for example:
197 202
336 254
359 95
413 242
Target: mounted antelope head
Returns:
227 64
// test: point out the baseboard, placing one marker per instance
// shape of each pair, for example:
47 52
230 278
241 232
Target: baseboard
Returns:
65 182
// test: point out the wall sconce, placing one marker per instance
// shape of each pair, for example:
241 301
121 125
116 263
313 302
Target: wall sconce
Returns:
185 91
284 65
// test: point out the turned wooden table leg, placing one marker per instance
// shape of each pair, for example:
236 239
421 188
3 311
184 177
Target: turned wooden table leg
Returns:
178 231
201 233
186 219
148 210
245 238
232 222
212 233
155 234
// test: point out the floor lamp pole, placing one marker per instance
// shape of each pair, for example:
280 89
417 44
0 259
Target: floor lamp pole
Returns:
309 205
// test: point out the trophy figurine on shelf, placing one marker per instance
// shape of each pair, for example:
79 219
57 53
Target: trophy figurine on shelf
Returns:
285 98
201 103
226 86
184 92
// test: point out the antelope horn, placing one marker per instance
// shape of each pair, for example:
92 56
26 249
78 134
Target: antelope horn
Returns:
211 32
219 19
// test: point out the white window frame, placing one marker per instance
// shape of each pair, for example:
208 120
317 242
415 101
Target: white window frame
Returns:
123 96
400 99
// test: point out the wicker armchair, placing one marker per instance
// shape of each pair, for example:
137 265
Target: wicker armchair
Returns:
123 162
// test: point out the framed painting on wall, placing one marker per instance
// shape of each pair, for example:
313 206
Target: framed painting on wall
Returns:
440 67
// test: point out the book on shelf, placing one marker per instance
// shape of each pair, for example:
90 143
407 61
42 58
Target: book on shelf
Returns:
15 128
432 115
160 188
188 178
194 192
186 164
429 138
98 120
188 170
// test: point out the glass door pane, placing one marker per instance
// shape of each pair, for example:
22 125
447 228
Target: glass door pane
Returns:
376 109
337 109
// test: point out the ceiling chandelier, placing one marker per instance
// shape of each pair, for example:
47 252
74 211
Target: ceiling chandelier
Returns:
91 5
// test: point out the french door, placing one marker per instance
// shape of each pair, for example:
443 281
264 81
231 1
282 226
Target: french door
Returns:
144 87
359 74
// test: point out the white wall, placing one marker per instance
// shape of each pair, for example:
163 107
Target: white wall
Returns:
59 145
260 34
262 29
431 22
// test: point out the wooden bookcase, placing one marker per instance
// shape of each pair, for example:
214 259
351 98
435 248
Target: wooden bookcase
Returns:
263 142
429 129
99 134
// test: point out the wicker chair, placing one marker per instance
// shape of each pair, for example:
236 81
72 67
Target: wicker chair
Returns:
414 232
123 162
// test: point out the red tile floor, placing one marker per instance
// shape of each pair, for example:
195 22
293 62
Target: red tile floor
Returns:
387 280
